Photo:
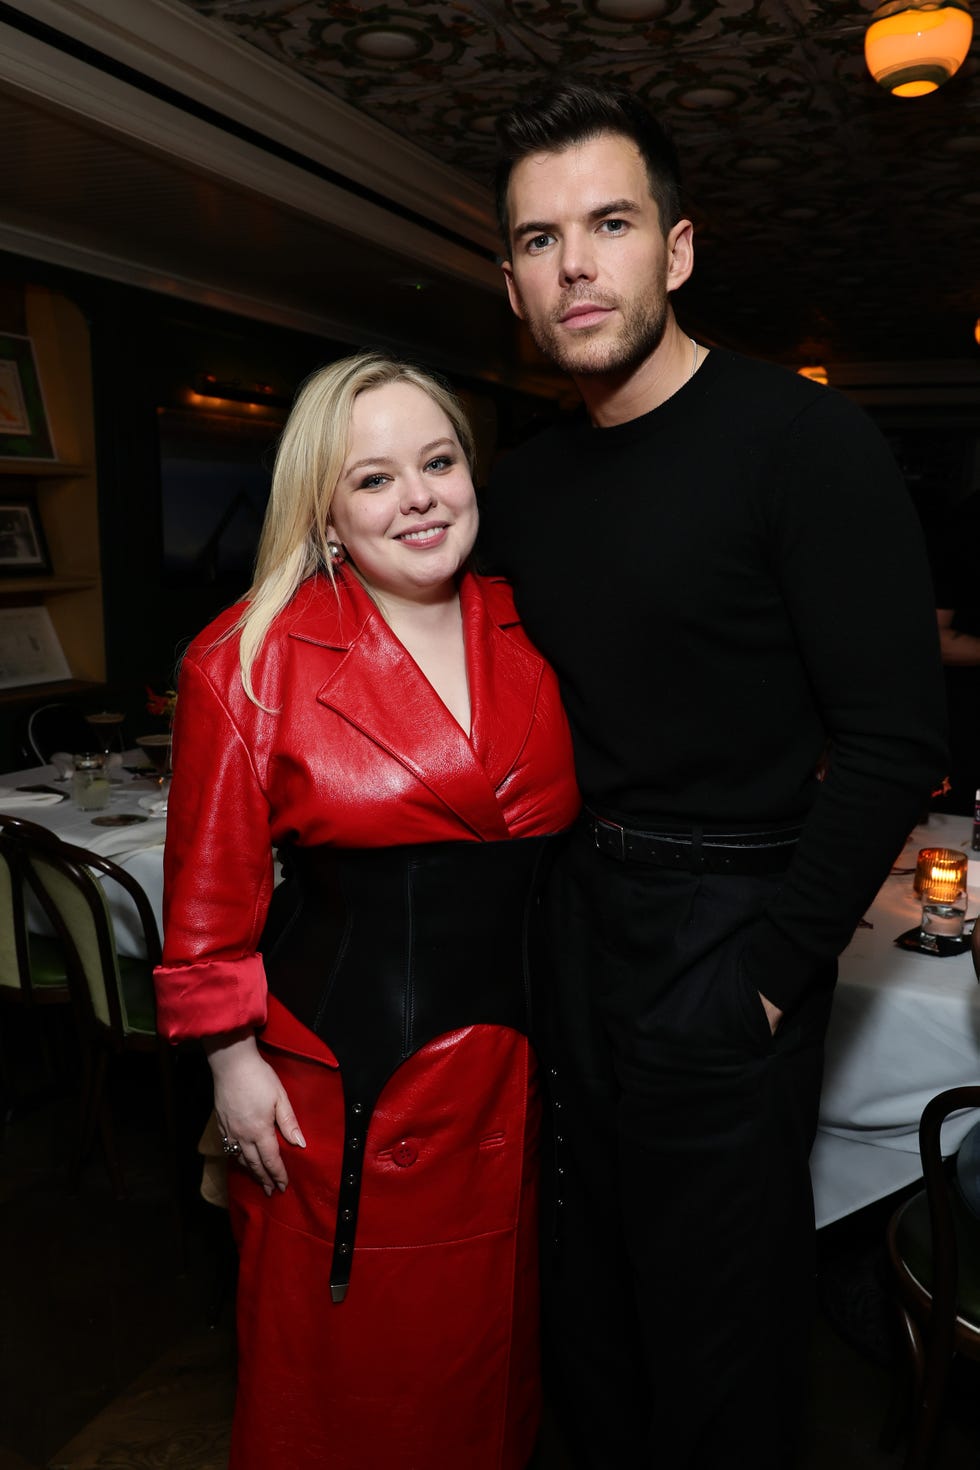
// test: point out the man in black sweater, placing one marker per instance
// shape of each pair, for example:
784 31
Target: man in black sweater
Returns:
720 560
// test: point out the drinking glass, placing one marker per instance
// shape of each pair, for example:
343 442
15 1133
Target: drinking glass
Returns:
89 783
106 727
156 748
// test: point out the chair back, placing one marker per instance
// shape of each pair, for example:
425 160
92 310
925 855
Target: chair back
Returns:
934 1247
946 1214
31 968
68 880
86 930
15 975
51 727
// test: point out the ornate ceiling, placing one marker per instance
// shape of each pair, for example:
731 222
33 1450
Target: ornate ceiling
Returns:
834 221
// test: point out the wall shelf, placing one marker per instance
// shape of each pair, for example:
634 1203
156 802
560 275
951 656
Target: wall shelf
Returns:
40 693
66 491
14 592
43 469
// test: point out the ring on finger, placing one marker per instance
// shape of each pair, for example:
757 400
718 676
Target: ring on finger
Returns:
230 1149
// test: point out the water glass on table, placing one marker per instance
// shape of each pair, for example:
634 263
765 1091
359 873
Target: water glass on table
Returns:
90 783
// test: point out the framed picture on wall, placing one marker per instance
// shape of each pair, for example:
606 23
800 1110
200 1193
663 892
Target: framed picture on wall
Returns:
23 550
30 650
24 432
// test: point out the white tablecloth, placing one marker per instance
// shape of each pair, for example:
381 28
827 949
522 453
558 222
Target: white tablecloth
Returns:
904 1027
137 848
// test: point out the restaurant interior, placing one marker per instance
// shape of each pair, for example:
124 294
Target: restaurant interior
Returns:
201 201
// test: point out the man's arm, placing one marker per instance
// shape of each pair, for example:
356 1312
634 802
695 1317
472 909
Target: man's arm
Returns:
848 556
961 650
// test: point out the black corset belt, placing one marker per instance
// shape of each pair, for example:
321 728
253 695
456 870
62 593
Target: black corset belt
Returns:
381 950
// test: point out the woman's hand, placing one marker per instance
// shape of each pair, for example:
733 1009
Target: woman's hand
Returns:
251 1103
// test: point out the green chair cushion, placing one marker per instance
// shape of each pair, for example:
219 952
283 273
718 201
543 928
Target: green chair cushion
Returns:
47 960
914 1240
138 995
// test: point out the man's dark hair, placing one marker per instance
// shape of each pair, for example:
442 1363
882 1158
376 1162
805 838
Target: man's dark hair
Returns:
572 111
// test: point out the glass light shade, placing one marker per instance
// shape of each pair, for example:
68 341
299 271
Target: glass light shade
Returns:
940 873
913 46
947 860
815 374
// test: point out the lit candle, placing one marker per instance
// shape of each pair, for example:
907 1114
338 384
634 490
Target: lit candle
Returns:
940 873
943 885
946 878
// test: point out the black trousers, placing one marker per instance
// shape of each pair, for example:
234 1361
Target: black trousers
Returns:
678 1259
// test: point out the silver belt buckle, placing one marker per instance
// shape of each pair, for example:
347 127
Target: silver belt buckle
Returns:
613 831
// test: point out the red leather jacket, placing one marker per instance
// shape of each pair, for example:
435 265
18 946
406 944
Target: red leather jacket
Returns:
354 748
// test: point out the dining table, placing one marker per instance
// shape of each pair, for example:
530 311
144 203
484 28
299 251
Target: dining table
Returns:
904 1025
130 829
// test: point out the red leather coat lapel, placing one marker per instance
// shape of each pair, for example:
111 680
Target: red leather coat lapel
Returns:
378 688
505 676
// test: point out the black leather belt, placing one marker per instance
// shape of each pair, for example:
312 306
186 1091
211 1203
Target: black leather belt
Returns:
696 851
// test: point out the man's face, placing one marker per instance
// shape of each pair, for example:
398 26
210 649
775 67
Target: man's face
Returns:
590 269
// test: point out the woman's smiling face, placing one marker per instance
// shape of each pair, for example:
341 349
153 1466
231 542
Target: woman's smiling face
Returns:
404 507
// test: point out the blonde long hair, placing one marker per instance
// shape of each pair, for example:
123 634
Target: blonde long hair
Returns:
309 460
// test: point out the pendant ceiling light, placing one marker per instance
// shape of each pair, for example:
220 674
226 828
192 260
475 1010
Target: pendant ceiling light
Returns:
913 46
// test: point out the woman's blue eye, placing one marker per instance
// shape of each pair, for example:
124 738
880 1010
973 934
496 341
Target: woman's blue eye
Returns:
441 462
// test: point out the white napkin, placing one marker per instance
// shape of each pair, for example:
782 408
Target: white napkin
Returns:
64 764
117 842
12 800
157 805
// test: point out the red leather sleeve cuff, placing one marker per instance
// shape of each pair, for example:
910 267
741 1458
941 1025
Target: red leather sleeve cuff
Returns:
210 997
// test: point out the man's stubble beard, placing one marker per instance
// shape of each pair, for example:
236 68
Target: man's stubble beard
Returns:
643 327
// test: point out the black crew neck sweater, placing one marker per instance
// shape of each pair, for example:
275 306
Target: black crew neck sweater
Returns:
727 586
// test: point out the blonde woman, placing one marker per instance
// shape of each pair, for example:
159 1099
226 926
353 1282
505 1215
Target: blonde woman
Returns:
373 711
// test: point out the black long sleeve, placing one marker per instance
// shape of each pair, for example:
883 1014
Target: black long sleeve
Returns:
727 587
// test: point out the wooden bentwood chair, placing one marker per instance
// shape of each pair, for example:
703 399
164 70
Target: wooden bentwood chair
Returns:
112 994
52 727
32 966
934 1249
33 970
